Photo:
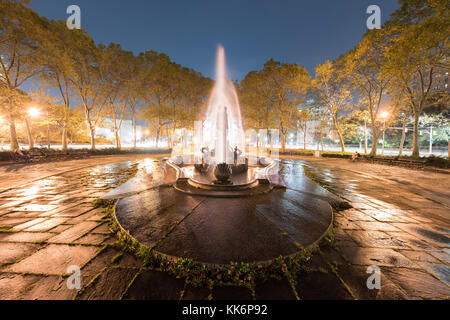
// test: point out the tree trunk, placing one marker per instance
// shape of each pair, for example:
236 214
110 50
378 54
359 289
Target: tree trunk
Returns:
373 151
118 145
341 141
64 138
30 136
92 130
13 135
416 150
365 137
157 135
90 127
283 142
402 142
134 128
341 138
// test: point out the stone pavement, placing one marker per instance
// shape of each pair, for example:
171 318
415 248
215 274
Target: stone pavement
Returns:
399 223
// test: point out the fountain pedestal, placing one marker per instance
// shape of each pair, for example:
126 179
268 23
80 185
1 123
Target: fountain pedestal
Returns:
222 172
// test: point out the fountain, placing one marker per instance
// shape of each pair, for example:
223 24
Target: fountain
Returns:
213 202
221 167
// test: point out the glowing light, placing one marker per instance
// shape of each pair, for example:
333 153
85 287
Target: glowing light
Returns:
33 112
384 115
223 130
147 132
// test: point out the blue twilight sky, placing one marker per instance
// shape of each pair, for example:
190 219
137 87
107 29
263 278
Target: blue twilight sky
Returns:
307 32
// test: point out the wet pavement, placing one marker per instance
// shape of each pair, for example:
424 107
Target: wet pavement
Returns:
400 224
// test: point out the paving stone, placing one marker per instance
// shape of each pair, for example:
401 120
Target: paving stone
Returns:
25 236
92 239
231 293
54 259
196 293
412 241
11 222
101 288
51 288
46 225
443 255
58 208
28 224
357 215
383 216
442 271
418 283
129 260
12 285
60 228
74 232
104 228
274 290
376 239
377 226
376 256
427 234
356 278
100 262
36 207
12 252
73 211
22 214
319 285
154 285
419 256
93 215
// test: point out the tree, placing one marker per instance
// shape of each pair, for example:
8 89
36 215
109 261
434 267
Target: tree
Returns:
418 52
21 33
284 88
363 68
59 70
321 117
303 119
256 107
333 92
89 79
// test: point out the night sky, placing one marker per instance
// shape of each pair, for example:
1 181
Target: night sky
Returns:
252 31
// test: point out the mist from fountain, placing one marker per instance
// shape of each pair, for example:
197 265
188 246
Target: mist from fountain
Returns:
222 127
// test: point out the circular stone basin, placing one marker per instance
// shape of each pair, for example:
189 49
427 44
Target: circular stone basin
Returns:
210 230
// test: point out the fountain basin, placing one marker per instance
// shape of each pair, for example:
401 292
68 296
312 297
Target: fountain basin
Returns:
217 230
243 184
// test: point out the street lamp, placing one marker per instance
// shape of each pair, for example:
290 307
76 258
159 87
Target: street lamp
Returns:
33 112
384 116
